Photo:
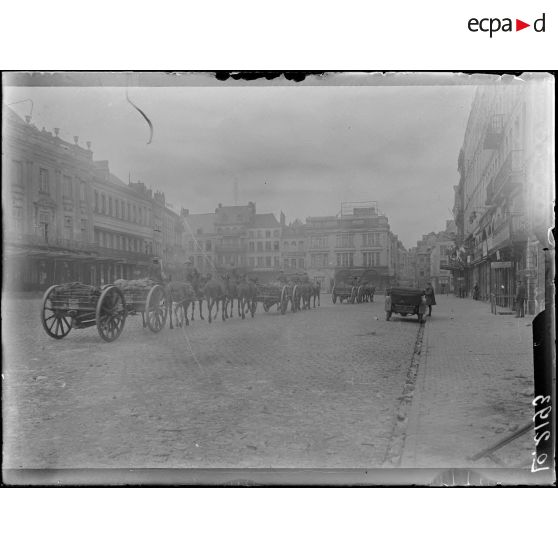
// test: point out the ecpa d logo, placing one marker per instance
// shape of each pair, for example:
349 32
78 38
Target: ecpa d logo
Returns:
492 25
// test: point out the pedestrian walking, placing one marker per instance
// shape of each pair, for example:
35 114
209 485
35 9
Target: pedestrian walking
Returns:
430 298
520 296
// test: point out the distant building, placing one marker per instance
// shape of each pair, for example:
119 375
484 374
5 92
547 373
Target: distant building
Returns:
199 240
294 248
430 258
234 237
358 237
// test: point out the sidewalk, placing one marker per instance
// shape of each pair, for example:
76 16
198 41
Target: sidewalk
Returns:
474 387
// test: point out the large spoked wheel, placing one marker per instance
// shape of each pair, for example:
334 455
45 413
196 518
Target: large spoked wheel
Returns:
294 303
284 300
55 322
156 309
111 313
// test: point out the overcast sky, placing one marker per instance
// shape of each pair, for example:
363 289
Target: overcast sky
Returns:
302 150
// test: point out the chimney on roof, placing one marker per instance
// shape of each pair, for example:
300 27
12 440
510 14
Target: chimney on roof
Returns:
220 205
56 131
28 119
76 138
88 143
282 219
184 212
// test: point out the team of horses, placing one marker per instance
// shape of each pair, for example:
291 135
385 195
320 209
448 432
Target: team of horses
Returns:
220 294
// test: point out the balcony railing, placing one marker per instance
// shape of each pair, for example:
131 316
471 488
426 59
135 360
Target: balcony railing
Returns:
510 176
230 248
41 241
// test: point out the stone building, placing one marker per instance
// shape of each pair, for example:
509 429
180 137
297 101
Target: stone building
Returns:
504 195
293 246
358 237
49 213
199 240
234 237
68 218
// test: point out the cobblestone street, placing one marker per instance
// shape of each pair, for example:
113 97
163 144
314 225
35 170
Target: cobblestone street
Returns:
318 388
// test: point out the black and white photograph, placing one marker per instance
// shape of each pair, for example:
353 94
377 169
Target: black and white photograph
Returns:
334 278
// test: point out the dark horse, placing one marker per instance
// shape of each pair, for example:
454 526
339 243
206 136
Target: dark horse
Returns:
305 294
316 288
247 297
180 294
215 292
198 284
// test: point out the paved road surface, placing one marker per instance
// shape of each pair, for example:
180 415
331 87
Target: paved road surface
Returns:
313 389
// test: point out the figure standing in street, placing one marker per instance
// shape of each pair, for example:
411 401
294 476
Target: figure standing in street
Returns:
520 295
430 298
476 291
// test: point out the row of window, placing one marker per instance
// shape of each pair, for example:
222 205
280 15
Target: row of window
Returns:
121 209
259 246
293 244
123 242
260 234
346 240
346 259
294 263
44 183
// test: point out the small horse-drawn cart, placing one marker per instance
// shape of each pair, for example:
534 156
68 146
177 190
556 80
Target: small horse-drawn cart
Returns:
78 306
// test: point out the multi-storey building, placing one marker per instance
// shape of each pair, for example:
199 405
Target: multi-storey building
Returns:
430 259
168 230
200 239
70 218
293 246
356 237
233 237
123 225
506 155
48 186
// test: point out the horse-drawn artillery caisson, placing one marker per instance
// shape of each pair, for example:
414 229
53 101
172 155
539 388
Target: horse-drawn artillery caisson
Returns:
145 297
354 285
78 306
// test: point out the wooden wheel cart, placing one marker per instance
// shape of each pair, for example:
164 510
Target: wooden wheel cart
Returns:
77 306
148 298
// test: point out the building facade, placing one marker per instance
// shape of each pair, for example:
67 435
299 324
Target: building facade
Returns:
358 237
506 178
234 237
68 218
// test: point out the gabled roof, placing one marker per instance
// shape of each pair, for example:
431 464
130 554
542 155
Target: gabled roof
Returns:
234 215
201 221
265 220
